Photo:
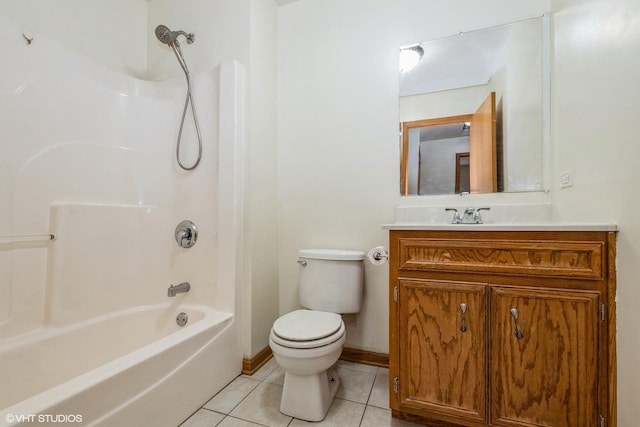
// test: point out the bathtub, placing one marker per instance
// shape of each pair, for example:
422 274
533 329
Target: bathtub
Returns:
94 374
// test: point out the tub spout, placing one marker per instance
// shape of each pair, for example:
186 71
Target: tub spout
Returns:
178 289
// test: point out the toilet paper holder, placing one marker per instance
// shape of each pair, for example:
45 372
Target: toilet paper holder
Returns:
378 255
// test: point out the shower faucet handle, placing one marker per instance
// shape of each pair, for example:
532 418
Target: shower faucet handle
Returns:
186 234
185 237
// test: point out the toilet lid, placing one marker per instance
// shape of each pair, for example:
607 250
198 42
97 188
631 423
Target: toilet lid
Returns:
307 325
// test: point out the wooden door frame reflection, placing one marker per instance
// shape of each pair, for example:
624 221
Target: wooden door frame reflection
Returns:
404 154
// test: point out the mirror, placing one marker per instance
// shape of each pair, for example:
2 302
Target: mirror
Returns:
452 140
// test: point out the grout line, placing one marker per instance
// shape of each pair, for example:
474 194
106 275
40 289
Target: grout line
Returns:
241 400
375 377
362 417
242 419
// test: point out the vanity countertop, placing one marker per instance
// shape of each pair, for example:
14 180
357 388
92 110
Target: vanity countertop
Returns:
500 227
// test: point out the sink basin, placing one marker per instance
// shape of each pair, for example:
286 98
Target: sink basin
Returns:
521 217
502 227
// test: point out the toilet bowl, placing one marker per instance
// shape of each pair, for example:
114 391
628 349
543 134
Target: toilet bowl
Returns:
306 343
306 355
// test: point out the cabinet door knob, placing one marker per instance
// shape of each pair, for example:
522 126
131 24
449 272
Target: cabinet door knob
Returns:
516 319
463 309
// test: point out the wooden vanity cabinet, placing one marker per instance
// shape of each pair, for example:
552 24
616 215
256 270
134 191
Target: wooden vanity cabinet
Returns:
441 368
497 328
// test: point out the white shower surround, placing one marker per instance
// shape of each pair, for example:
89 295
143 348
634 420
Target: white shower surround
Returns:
89 153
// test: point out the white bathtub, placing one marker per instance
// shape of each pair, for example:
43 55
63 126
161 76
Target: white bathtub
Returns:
131 368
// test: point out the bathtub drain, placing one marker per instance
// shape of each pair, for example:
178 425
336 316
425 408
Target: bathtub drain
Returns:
181 319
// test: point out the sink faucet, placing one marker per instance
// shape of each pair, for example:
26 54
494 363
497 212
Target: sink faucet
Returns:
470 215
467 216
178 289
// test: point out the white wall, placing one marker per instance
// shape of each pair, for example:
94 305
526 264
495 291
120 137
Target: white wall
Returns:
338 129
262 221
221 29
454 102
595 105
97 29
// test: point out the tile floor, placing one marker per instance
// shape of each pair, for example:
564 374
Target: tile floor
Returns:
362 401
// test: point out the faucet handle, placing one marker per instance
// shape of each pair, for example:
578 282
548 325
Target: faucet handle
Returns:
476 215
457 219
186 234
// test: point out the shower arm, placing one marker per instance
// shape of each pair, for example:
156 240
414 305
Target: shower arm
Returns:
189 36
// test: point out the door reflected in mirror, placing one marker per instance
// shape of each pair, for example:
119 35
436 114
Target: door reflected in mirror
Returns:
501 69
449 155
463 184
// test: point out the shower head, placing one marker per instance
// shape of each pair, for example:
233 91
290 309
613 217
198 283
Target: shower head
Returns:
164 34
168 37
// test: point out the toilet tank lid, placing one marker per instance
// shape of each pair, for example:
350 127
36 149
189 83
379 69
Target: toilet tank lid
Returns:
332 254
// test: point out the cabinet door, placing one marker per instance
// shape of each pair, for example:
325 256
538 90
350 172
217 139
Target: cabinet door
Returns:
544 358
442 350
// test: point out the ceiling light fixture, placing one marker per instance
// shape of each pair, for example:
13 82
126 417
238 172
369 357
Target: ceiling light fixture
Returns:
409 57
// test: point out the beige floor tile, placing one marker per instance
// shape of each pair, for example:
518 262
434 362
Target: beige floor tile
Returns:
342 413
262 406
355 385
229 397
236 422
203 418
276 376
380 392
378 417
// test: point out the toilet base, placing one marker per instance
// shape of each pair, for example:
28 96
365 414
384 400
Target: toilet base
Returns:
308 397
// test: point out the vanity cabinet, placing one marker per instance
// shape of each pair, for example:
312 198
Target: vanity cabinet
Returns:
442 351
502 328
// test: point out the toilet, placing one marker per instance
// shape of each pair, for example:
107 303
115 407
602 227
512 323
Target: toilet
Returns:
309 341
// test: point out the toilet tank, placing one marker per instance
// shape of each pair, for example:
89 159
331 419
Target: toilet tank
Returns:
331 279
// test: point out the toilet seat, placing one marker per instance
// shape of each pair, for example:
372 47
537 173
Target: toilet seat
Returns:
307 329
